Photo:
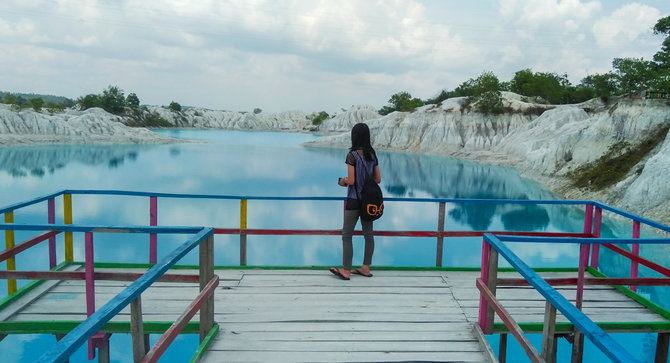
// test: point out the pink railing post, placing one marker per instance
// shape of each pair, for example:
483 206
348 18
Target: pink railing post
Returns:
583 261
588 219
153 221
597 222
51 219
578 342
89 273
636 251
484 323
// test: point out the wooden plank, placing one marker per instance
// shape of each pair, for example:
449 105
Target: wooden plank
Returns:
640 317
640 260
206 308
511 324
361 335
343 345
171 334
18 248
440 237
354 326
76 337
30 297
328 281
603 341
549 334
137 329
483 342
148 317
75 303
78 275
611 281
223 318
662 342
343 356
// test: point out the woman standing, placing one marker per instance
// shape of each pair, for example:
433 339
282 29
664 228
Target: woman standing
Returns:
362 164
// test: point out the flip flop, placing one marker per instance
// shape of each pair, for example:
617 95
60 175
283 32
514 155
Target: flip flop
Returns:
358 272
337 273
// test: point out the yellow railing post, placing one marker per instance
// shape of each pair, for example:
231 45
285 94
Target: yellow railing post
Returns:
67 219
243 235
9 243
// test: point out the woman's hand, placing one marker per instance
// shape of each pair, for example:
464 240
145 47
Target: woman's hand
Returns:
342 182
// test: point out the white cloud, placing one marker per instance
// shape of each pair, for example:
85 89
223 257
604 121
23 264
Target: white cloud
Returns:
538 12
625 24
300 54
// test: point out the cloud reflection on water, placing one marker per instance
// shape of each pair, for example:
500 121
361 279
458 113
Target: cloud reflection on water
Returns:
271 164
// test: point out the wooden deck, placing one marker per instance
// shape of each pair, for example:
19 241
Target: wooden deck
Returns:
310 315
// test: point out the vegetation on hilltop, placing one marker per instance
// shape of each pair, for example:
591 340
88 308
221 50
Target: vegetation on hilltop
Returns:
629 76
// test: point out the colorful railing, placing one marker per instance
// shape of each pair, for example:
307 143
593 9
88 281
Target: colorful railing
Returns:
489 281
88 329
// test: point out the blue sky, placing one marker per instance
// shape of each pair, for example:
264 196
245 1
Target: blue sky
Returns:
304 54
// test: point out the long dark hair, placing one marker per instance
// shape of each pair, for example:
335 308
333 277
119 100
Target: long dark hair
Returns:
360 140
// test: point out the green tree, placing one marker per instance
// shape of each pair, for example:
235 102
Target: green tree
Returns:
465 89
89 101
487 96
522 82
401 101
603 85
257 111
634 75
113 100
662 57
36 103
55 107
132 101
318 118
21 102
550 86
579 94
10 99
439 98
174 106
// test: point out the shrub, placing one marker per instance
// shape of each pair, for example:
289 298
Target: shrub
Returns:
615 164
487 96
36 104
318 118
174 106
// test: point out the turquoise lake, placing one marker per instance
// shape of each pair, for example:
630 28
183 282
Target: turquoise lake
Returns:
275 164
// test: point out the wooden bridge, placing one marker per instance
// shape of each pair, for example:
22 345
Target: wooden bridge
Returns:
306 314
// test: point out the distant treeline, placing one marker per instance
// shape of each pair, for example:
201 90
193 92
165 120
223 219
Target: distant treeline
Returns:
36 101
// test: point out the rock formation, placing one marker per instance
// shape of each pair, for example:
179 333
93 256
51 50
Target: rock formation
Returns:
544 142
547 147
92 126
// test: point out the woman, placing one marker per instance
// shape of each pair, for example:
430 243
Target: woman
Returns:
362 164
